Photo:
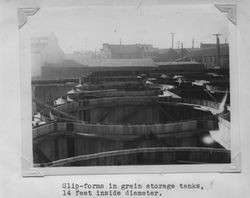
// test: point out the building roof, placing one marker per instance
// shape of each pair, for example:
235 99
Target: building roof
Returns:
178 63
211 45
208 52
66 63
179 51
140 62
124 49
192 49
166 55
164 50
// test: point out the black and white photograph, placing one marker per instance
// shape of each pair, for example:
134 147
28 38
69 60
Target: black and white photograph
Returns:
135 98
129 86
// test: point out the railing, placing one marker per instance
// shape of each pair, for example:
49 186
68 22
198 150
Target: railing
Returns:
88 103
129 130
172 154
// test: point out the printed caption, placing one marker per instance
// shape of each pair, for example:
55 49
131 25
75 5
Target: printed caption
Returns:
123 190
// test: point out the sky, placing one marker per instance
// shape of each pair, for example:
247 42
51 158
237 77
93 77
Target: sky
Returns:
87 28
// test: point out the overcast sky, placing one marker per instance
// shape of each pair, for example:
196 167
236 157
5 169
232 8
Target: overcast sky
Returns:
87 28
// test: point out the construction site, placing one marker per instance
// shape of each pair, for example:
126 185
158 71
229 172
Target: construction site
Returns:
172 113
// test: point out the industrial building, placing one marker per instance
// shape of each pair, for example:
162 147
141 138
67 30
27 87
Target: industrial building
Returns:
180 67
209 56
128 51
122 51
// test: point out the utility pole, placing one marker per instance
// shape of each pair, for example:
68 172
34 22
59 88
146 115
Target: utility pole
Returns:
182 51
178 44
172 40
217 49
85 43
193 43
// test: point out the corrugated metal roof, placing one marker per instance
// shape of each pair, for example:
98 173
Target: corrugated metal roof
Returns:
125 49
142 62
164 50
66 63
213 45
179 52
177 63
166 55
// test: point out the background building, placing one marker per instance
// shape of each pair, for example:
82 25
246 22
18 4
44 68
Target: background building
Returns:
166 55
44 49
122 51
207 55
212 45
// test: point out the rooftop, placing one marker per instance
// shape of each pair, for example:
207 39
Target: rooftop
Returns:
211 45
66 63
178 63
208 52
140 62
120 48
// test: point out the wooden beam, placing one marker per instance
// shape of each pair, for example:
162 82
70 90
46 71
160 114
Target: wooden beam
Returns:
160 108
133 113
41 155
106 115
42 104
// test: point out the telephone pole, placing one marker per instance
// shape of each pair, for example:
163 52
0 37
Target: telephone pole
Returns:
172 40
182 51
85 45
178 44
217 49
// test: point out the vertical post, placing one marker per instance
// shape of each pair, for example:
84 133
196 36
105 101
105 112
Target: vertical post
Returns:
172 40
217 49
33 103
182 51
193 43
85 43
